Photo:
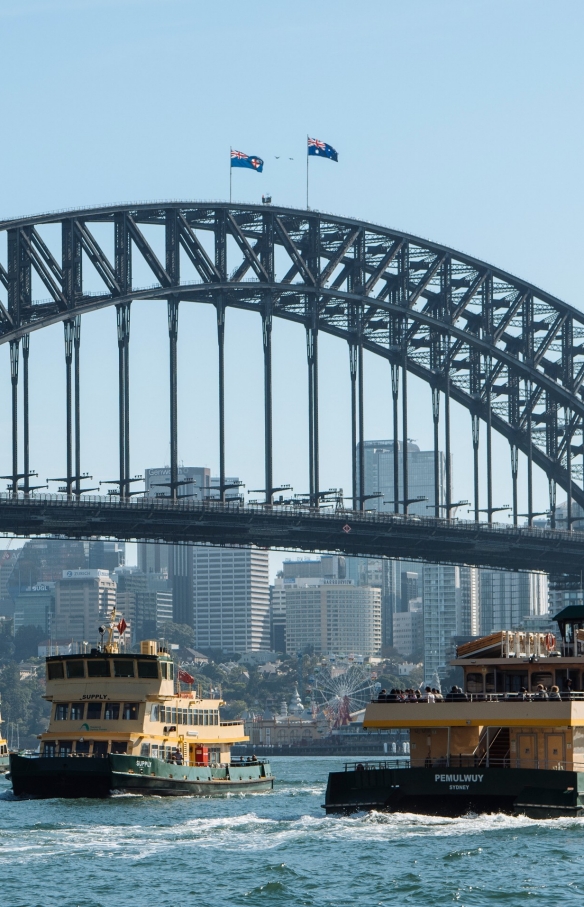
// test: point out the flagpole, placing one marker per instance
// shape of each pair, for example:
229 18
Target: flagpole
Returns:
307 156
230 173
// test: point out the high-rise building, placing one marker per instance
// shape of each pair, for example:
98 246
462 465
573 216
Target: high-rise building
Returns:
35 607
450 601
83 600
506 598
231 597
379 480
8 559
333 617
195 483
278 615
408 632
150 597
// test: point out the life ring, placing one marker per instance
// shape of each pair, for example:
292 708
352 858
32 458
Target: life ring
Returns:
549 641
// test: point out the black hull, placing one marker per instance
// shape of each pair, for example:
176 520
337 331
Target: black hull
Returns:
536 793
68 777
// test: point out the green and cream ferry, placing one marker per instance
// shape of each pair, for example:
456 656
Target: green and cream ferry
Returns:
511 741
3 748
119 722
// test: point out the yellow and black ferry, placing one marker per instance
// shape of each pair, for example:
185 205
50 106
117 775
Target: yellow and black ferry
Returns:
3 750
119 722
511 741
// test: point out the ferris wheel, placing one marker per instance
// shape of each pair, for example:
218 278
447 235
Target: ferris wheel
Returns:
340 694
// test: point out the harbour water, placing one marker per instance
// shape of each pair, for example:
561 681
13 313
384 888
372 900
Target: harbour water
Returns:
277 849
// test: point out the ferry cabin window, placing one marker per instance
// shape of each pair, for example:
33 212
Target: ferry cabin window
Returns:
119 746
55 670
164 669
111 711
145 749
77 709
61 711
100 748
148 669
154 712
93 711
544 678
82 747
124 668
75 669
474 683
50 749
66 748
98 668
130 711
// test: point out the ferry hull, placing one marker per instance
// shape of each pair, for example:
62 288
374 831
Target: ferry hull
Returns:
537 793
43 777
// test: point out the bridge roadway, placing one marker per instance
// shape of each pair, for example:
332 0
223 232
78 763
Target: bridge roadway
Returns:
296 528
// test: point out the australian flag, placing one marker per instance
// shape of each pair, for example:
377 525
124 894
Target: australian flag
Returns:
251 161
316 147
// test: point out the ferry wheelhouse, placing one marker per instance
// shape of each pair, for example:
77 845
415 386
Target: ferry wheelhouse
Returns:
120 722
510 740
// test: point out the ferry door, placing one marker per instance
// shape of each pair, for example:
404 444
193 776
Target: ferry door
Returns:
191 757
526 751
554 750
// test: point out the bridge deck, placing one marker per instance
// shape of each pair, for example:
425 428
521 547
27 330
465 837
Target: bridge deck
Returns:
289 528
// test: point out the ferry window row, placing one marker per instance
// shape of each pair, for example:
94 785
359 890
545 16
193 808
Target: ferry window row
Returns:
84 747
110 667
567 679
169 715
96 711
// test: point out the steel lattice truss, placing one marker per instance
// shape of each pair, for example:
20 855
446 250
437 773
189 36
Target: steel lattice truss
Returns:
510 353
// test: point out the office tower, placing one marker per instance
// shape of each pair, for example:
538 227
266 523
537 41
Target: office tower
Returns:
332 617
150 596
408 633
379 480
196 483
83 600
8 559
231 599
105 555
450 600
506 598
278 615
43 561
329 566
379 477
35 607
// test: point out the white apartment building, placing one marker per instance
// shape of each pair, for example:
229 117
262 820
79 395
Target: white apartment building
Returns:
450 601
333 617
508 598
83 600
231 597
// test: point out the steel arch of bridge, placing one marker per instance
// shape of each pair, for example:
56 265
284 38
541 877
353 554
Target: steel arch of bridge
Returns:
510 353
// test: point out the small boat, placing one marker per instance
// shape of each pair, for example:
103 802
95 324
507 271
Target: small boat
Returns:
121 722
511 740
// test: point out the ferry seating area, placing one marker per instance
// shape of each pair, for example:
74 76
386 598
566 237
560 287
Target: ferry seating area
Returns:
466 761
482 697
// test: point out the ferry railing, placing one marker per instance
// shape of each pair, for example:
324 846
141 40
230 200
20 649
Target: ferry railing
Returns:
484 697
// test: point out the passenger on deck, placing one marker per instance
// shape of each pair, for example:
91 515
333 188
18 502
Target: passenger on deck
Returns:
382 696
555 693
178 757
523 694
429 697
437 695
456 694
541 692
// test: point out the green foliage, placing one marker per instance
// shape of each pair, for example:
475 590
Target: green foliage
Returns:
6 642
22 703
179 634
26 641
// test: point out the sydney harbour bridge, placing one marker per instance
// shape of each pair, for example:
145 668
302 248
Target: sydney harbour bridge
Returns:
508 352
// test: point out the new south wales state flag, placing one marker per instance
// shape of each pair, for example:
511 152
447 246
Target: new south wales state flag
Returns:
251 161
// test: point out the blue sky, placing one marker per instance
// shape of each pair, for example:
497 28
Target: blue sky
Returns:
457 120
